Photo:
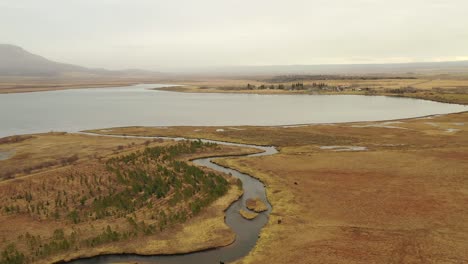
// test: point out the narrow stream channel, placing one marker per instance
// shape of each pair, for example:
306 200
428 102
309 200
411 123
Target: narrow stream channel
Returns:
247 231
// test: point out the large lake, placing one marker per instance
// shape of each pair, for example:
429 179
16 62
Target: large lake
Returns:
74 110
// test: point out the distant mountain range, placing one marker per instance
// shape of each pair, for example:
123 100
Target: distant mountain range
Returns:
15 61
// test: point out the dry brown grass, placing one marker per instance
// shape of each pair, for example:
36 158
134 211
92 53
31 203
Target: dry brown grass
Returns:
392 204
400 201
52 150
256 205
248 214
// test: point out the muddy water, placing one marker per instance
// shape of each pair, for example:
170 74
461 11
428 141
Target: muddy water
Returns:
247 231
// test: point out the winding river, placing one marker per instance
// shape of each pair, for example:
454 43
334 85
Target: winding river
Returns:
247 231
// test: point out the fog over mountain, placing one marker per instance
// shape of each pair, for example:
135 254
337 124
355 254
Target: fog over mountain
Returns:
179 35
15 61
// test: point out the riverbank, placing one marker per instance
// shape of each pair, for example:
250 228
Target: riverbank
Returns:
42 200
399 196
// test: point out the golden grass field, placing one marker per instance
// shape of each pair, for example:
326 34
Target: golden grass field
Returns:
48 184
401 200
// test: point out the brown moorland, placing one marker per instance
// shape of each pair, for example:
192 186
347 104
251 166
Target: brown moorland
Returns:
35 153
400 199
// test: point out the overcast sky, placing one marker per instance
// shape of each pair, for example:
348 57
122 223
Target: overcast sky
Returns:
181 34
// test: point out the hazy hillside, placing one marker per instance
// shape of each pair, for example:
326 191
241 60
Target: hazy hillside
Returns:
15 61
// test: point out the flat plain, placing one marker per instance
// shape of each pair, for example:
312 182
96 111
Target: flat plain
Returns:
374 192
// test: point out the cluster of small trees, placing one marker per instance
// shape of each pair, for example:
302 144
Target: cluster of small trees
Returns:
108 235
402 90
9 174
58 243
293 86
156 174
42 247
10 255
320 85
264 87
154 178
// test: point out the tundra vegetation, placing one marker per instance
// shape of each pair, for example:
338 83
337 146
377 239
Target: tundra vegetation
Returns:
129 195
256 205
451 88
401 197
249 215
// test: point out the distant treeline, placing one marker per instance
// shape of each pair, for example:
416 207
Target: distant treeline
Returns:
296 78
294 86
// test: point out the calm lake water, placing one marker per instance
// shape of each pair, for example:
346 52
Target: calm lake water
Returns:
74 110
